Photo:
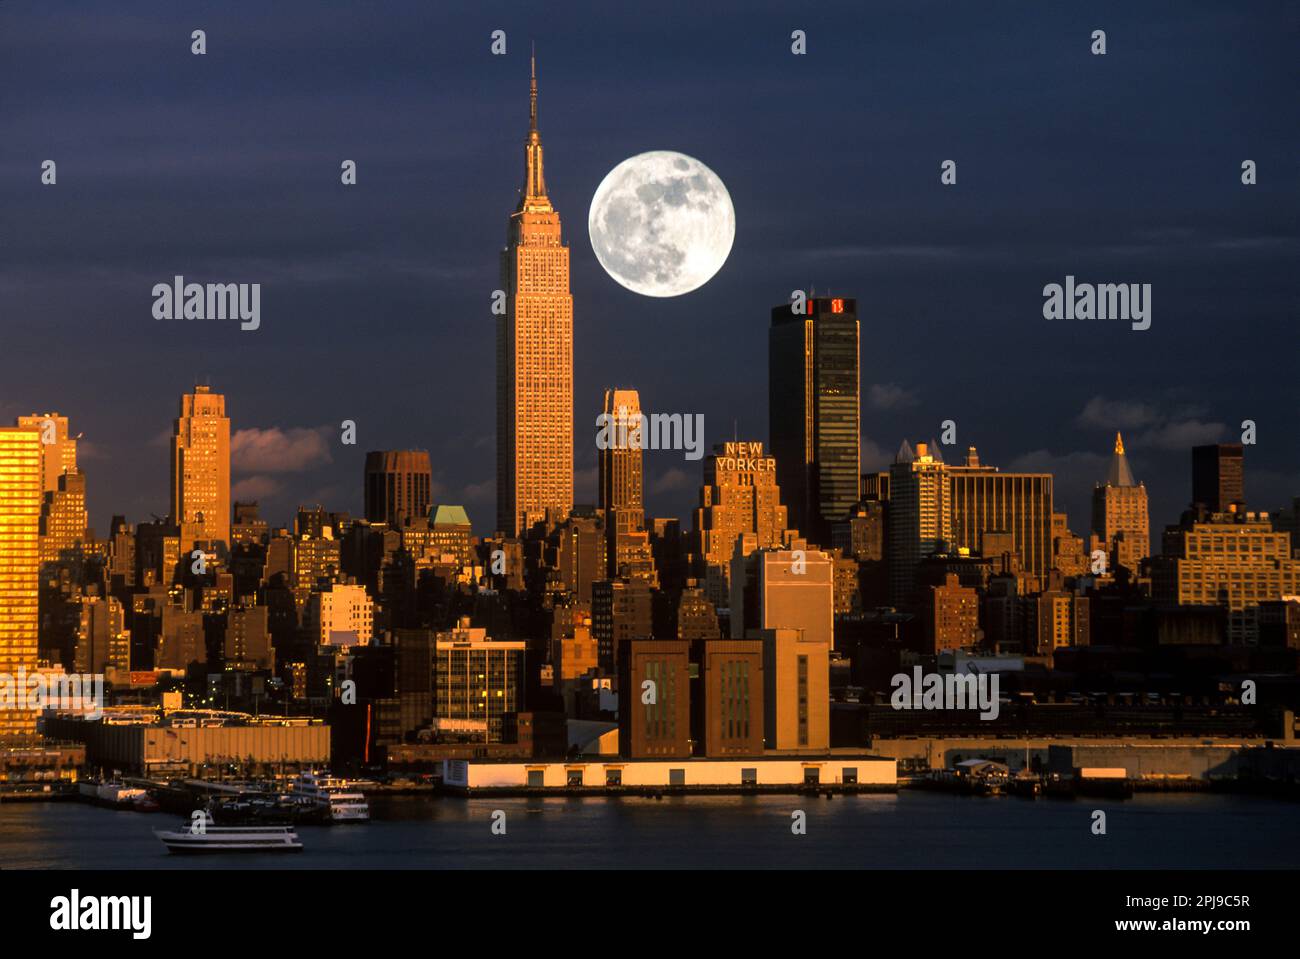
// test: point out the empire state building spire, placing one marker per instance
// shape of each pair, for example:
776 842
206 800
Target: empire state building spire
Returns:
534 357
534 181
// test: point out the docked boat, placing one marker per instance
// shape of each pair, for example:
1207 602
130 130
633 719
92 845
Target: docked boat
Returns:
112 792
213 839
333 798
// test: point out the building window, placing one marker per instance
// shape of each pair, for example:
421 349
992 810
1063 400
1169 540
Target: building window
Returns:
613 777
803 700
575 777
850 775
536 778
811 775
677 777
749 776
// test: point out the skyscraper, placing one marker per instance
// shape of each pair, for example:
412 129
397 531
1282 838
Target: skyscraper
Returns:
985 500
20 523
1218 477
534 356
920 517
740 495
63 505
398 486
201 470
1119 513
620 478
58 449
936 507
619 463
813 411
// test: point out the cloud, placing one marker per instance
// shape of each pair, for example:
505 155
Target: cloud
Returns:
254 487
1082 466
86 450
889 396
1181 435
484 491
872 458
276 450
1101 413
1149 426
674 478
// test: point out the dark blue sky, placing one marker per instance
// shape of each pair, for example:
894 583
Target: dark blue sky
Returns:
375 298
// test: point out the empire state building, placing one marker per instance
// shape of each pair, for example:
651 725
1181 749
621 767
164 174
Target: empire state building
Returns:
534 356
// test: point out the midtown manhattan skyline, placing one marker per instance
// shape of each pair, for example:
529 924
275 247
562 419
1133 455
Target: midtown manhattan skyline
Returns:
392 281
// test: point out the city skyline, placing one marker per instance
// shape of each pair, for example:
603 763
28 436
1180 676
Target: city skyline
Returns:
968 261
755 438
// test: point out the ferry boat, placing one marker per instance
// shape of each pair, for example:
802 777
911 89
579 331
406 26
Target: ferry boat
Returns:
335 799
230 839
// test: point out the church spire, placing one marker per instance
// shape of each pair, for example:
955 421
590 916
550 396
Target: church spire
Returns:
534 181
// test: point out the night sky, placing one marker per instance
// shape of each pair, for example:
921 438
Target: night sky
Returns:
1123 168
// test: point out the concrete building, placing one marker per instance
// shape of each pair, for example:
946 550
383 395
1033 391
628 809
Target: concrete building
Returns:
848 772
1218 477
102 637
740 496
951 616
342 615
1056 618
620 443
784 589
920 517
451 534
620 611
172 747
1234 560
478 678
985 500
200 471
65 537
397 486
534 357
1119 514
654 710
20 526
796 691
727 699
935 507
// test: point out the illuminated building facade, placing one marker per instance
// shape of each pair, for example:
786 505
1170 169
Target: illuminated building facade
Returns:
534 358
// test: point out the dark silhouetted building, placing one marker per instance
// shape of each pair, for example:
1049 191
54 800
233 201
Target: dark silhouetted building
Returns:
397 486
1218 480
813 410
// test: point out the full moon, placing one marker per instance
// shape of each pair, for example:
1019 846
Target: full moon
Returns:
661 223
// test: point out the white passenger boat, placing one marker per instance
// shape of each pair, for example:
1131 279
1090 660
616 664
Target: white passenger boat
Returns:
333 798
231 839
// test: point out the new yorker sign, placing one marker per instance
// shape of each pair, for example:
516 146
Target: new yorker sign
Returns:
743 457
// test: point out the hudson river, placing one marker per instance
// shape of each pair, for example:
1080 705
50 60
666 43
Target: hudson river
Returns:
912 829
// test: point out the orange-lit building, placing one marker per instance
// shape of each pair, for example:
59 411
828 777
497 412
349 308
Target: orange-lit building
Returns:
534 357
